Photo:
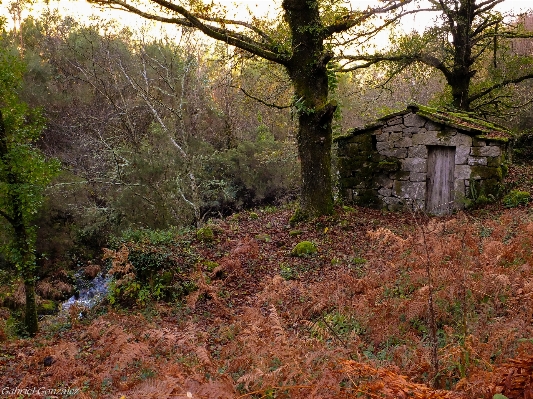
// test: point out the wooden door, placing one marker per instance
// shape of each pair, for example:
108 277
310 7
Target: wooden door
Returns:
440 180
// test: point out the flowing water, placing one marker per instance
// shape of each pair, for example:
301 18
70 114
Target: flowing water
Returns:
90 292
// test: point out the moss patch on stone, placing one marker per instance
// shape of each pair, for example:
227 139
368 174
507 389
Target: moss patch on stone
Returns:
390 165
47 307
486 172
465 121
205 234
304 248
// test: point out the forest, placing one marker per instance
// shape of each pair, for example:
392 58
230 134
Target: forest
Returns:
172 221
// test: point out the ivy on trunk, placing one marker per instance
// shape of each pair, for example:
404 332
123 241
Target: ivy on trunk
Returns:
24 174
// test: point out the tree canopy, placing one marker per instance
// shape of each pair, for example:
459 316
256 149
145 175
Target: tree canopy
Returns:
470 44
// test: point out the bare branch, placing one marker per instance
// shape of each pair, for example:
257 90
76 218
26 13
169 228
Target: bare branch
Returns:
500 85
354 19
489 3
427 59
191 20
486 6
260 100
484 25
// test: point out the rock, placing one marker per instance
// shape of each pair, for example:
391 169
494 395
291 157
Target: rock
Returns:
477 160
418 165
413 120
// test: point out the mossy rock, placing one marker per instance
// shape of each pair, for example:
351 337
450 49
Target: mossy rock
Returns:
205 234
304 248
390 165
47 307
486 172
299 216
210 265
254 215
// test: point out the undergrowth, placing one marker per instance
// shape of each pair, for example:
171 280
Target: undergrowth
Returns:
351 321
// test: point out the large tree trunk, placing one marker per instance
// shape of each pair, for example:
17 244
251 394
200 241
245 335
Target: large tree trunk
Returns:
462 73
460 85
308 73
26 261
314 149
30 317
27 267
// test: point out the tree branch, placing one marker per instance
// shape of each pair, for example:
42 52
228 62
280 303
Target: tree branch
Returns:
490 3
7 217
499 86
260 100
484 25
354 19
427 59
191 20
486 6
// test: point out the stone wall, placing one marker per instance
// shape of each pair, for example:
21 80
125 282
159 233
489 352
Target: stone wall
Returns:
386 165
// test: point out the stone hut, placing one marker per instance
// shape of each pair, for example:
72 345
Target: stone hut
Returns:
431 160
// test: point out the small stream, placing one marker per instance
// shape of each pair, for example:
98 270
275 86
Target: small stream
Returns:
90 292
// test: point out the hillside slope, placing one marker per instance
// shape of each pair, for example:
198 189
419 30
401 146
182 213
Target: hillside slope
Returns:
351 320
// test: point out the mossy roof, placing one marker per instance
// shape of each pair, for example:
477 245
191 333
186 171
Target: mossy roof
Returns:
465 122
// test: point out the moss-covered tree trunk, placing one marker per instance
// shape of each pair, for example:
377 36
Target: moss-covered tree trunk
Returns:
308 73
461 74
25 257
30 316
27 267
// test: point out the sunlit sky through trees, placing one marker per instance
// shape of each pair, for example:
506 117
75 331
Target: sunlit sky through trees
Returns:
83 11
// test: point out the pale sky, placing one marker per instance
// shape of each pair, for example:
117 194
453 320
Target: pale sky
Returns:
82 10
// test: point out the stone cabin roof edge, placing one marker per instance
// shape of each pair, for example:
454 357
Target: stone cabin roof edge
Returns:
359 131
394 114
470 125
499 134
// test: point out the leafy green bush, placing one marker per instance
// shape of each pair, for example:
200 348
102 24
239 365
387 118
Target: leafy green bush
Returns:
515 198
249 175
151 265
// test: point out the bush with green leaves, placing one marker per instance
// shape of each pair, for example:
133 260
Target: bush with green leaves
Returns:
249 175
516 198
151 265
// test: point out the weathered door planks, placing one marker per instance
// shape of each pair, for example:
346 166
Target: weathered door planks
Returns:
440 180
